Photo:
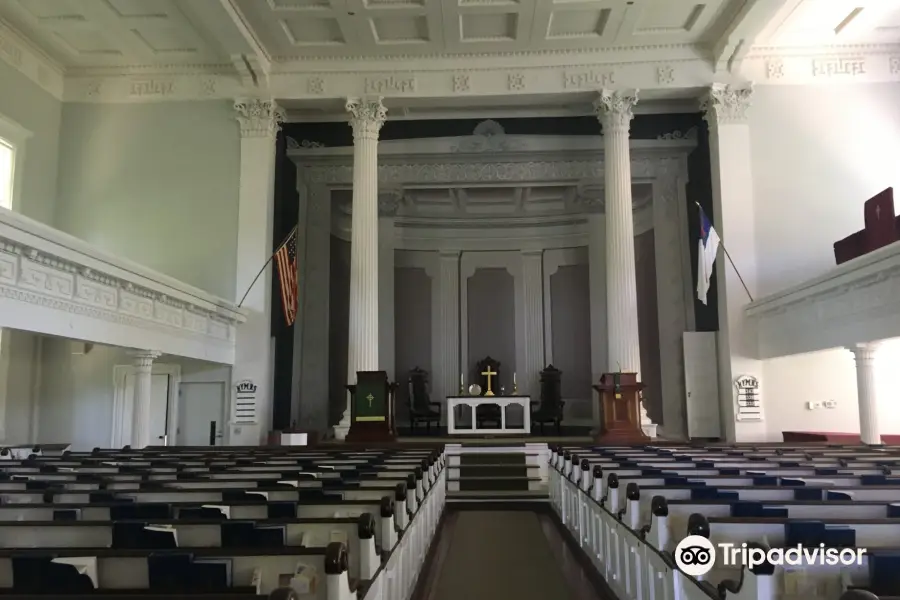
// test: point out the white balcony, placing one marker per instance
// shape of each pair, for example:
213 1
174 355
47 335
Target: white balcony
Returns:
56 284
858 301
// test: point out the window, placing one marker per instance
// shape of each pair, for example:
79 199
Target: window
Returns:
7 166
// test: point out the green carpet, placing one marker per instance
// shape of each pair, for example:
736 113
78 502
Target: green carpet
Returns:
499 555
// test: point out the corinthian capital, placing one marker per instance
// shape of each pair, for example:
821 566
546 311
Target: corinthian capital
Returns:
366 116
614 109
726 104
258 118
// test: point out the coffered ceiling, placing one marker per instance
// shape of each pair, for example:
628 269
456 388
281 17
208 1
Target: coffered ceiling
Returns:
129 33
309 45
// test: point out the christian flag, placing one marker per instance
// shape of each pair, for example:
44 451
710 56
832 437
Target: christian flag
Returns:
286 261
707 249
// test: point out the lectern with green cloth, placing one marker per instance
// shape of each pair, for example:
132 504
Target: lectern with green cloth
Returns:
371 408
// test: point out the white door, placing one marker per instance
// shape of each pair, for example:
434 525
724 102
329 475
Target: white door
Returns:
159 407
200 405
701 382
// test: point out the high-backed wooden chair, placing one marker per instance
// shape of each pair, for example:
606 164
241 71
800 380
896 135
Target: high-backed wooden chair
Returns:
421 408
490 413
551 406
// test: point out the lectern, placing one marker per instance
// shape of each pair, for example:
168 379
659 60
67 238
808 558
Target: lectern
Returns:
619 395
371 408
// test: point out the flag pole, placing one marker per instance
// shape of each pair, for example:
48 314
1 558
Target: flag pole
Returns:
255 279
728 256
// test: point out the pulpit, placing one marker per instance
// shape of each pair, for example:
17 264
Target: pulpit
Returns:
372 408
619 395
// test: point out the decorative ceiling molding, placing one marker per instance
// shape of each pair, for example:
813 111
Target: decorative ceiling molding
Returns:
20 54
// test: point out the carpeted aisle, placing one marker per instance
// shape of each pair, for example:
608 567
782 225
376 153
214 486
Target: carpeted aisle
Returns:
497 554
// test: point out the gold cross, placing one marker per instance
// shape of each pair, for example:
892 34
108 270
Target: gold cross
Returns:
489 374
370 397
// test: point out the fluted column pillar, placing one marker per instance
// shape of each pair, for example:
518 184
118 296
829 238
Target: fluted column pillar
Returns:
366 117
259 121
615 112
614 109
140 411
869 431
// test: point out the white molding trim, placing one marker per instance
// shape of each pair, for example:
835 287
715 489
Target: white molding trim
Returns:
438 77
26 58
123 408
60 285
856 302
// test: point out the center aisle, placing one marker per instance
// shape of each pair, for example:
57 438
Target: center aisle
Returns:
486 555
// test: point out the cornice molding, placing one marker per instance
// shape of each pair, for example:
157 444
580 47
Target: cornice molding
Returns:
23 56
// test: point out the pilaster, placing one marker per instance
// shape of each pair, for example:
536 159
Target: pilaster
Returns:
259 122
388 203
367 115
597 281
143 371
867 392
445 329
674 294
311 363
725 109
533 333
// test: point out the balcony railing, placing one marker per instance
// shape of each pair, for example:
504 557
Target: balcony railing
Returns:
855 302
56 284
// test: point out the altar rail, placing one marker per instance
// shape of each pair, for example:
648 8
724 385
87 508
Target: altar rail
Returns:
56 284
629 563
855 302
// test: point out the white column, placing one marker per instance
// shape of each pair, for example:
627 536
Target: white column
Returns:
867 392
614 109
445 330
533 334
733 217
388 202
140 411
367 117
259 123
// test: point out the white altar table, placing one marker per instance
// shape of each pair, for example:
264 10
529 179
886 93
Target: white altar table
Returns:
475 401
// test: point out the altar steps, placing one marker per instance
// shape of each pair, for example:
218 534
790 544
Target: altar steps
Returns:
495 474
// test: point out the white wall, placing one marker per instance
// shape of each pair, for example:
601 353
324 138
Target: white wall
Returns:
157 183
75 398
818 153
35 110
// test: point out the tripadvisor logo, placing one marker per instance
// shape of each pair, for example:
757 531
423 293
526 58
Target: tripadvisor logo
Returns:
695 555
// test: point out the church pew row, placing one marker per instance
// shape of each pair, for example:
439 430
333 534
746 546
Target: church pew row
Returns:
633 549
208 551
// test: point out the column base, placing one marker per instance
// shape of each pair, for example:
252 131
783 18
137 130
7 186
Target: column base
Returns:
342 428
649 430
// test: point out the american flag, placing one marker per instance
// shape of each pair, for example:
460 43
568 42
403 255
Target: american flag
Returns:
286 260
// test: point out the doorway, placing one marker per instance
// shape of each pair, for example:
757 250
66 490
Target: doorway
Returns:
201 413
164 384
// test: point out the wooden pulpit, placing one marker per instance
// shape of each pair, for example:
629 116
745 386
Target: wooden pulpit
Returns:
619 395
371 408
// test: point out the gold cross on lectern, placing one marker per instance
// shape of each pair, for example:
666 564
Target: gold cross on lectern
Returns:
370 397
489 374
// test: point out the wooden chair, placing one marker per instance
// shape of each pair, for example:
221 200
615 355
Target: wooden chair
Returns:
418 402
491 412
550 409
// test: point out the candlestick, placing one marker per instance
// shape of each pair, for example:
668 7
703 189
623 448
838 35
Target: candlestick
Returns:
514 377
